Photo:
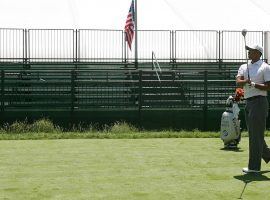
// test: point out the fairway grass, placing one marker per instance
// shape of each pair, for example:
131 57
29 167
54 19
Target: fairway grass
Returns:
127 169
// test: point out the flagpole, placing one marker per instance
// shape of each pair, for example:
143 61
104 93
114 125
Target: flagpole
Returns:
136 38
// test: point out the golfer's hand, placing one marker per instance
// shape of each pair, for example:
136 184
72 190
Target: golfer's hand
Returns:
248 81
252 84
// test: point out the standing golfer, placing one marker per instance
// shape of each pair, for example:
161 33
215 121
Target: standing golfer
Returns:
254 77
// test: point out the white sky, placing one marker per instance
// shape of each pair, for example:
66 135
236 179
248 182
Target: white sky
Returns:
152 14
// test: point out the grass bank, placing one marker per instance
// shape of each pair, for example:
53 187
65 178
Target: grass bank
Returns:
45 129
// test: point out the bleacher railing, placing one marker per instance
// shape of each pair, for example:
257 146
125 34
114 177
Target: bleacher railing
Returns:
107 46
122 89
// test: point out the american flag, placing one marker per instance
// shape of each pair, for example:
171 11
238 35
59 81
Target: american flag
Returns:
129 27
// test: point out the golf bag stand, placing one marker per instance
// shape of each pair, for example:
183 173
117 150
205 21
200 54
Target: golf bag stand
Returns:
230 124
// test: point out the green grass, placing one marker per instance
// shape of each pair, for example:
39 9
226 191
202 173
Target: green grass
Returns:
108 135
127 169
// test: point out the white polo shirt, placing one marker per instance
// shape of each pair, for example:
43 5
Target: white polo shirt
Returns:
259 72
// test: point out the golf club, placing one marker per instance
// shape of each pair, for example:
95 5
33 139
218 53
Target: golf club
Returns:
244 33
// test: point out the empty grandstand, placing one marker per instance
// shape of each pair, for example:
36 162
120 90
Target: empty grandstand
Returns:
73 76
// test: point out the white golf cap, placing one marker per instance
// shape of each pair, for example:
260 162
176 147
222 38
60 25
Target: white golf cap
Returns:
255 47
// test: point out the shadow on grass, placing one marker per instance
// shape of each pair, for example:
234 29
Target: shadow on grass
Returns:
248 178
253 177
237 149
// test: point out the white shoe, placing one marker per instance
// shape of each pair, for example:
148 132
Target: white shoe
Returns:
247 170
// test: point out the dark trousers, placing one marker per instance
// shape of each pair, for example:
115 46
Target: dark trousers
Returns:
256 112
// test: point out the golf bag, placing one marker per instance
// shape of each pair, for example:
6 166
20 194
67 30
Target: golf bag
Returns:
230 124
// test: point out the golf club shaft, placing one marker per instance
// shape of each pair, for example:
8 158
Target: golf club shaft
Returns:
243 190
246 56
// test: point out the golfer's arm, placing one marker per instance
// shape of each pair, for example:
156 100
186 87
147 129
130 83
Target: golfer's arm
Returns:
263 86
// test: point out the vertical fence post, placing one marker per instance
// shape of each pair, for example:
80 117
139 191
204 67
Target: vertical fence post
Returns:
78 47
2 90
140 97
75 48
124 52
23 44
173 45
136 36
205 106
72 92
266 46
219 50
26 48
152 60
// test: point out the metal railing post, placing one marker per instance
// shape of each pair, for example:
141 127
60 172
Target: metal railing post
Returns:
75 48
173 49
2 90
140 98
152 60
219 50
72 93
26 48
124 52
23 43
205 105
136 36
266 46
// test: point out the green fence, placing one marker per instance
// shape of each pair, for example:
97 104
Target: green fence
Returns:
108 95
113 89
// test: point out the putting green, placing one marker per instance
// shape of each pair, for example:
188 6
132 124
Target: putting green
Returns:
126 169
